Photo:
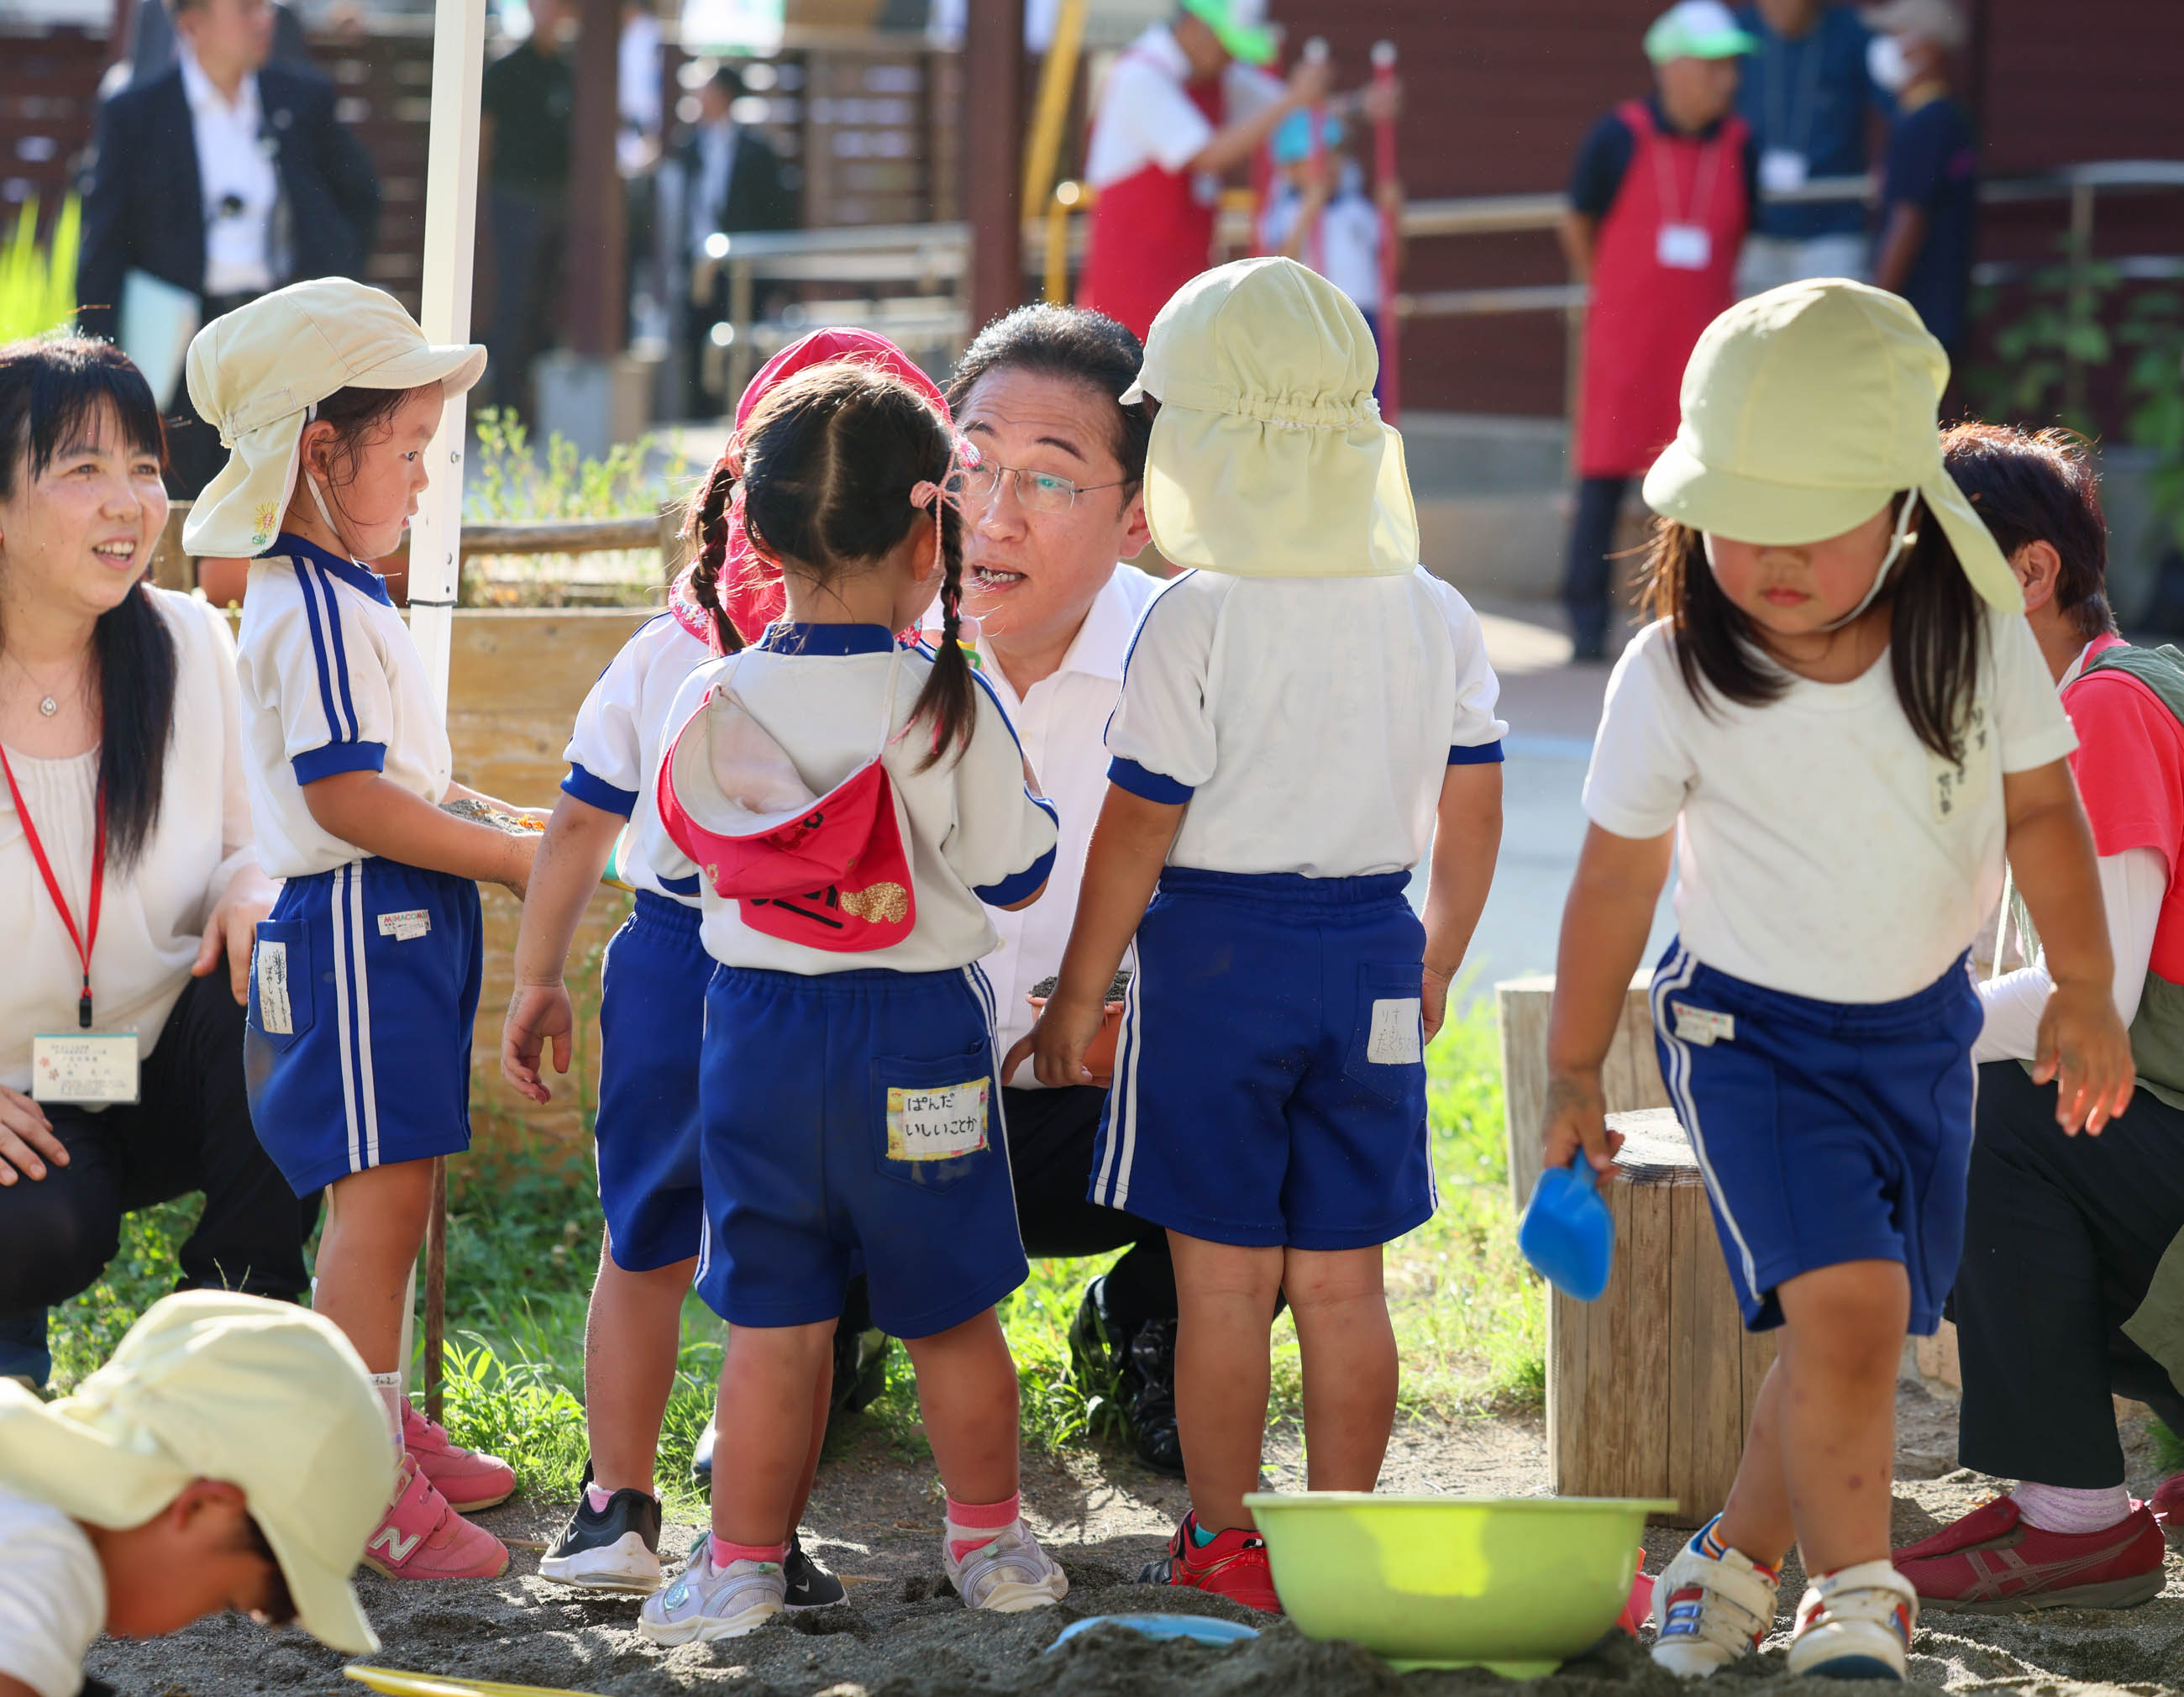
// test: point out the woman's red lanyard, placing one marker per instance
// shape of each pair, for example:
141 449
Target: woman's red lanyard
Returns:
87 939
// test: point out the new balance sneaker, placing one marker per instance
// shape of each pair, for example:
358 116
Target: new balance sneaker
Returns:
706 1602
2166 1505
423 1537
809 1586
1709 1610
616 1548
1232 1566
1992 1562
1007 1575
1856 1624
470 1479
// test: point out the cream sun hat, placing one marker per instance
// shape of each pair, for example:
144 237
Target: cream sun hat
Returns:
264 1395
1268 457
1806 410
256 373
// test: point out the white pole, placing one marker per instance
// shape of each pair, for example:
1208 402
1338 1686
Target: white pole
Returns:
451 169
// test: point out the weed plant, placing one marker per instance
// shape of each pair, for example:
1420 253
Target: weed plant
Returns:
523 1238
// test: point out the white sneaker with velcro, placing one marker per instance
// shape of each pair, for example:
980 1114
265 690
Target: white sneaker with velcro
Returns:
1856 1624
1709 1610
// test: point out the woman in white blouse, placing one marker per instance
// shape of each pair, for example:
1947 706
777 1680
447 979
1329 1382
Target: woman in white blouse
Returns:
127 950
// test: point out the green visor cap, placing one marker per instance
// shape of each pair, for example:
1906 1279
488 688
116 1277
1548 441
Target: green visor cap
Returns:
1697 29
1805 410
1235 25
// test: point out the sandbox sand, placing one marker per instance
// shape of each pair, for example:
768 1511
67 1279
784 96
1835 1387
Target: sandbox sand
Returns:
874 1521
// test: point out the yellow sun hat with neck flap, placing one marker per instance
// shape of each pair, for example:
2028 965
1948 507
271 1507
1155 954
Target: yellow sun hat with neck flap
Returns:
1806 410
1269 457
257 373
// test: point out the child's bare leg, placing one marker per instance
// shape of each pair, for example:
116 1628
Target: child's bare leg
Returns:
1756 1518
1835 1408
966 1392
631 1340
375 1227
767 1411
1225 1295
1350 1369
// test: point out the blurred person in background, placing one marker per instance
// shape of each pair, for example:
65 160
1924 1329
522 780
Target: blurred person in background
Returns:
1807 94
1930 184
228 176
733 181
1184 106
525 101
1318 212
1660 200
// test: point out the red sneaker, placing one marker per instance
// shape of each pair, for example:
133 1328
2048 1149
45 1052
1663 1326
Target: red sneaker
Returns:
1234 1565
1990 1562
470 1479
2167 1507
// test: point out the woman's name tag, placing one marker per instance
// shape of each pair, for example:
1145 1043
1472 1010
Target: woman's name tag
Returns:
936 1123
1782 170
92 1068
1685 247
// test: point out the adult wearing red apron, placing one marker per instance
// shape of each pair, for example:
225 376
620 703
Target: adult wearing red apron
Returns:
1660 200
1182 106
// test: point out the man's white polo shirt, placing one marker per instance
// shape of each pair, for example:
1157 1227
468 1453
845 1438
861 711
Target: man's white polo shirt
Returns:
1062 724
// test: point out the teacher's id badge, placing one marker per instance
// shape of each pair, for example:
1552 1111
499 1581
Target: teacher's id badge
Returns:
91 1068
1685 247
937 1123
1782 170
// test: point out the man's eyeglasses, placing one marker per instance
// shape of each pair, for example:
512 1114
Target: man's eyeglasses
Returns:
1041 492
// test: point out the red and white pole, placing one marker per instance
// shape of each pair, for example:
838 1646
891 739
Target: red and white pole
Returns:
1391 239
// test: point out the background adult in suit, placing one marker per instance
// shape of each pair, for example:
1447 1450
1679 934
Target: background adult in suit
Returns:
225 176
732 180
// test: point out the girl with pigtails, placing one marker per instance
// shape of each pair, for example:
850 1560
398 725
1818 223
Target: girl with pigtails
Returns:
850 805
652 1008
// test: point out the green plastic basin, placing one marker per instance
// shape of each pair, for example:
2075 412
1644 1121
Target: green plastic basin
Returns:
1517 1584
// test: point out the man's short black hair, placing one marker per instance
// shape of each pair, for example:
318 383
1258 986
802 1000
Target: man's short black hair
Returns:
1077 344
730 81
2039 486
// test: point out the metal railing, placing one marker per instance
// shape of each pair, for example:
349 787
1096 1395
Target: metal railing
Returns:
934 259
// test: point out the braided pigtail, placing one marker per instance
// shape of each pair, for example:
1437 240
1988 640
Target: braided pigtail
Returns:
708 527
948 698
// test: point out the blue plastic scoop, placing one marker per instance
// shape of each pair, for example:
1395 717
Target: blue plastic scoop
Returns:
1569 1234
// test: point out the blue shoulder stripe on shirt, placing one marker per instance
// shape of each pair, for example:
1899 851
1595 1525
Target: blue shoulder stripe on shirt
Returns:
588 787
1478 754
340 645
335 731
1014 888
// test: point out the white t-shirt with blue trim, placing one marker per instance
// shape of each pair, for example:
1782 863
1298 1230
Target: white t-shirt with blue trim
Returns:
331 683
976 834
614 747
1309 722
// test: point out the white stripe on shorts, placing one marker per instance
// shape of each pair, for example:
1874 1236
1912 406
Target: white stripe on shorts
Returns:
339 890
369 1091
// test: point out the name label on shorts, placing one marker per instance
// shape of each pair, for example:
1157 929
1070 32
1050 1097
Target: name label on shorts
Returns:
407 926
88 1066
1396 1039
1703 1025
937 1123
275 1018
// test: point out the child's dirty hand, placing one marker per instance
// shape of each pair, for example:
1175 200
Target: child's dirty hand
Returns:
1432 1000
1577 1118
2084 1045
537 1014
1057 1042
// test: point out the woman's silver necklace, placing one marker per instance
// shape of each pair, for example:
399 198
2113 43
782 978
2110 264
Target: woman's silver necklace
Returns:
48 705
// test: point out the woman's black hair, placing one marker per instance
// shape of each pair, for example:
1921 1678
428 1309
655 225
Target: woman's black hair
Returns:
54 395
2039 486
829 459
1938 625
358 417
1079 346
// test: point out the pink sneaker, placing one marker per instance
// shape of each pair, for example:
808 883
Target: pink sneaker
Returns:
470 1479
423 1538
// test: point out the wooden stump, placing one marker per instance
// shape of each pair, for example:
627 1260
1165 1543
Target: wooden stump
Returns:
1630 1078
1650 1389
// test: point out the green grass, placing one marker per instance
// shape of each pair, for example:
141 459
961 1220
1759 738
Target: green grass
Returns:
523 1243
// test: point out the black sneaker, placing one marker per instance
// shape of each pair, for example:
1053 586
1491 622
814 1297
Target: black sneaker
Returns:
1150 1377
809 1585
613 1548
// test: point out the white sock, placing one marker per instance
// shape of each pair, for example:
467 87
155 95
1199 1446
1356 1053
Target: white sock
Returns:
389 1386
2056 1508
